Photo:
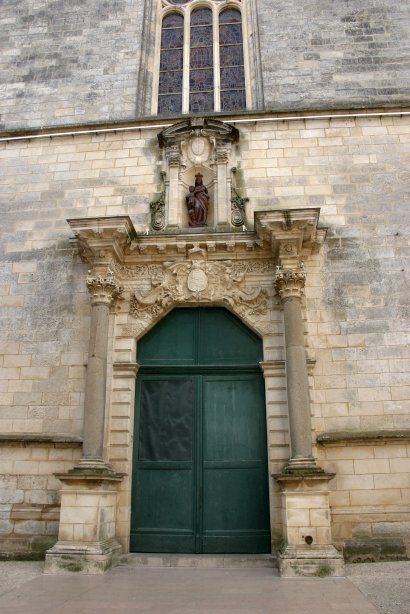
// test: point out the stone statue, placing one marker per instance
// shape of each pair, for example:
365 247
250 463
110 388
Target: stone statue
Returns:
197 203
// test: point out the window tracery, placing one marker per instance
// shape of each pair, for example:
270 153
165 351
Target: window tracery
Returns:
202 67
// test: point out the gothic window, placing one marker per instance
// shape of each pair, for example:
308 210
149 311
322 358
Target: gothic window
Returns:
202 67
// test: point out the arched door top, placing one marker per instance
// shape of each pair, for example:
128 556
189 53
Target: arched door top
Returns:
193 336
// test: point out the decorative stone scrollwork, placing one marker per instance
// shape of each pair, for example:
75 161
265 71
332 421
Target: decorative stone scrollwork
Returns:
198 281
103 289
157 209
238 201
238 213
290 284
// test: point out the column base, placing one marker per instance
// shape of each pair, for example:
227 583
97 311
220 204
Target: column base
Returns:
308 549
90 558
96 465
86 537
303 465
318 561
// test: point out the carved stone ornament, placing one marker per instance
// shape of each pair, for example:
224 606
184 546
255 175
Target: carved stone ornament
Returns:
194 281
173 154
197 127
290 284
103 289
157 210
238 212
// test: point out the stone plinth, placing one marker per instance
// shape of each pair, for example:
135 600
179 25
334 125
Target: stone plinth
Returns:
86 539
308 549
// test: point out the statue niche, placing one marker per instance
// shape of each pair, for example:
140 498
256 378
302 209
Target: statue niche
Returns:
199 147
197 202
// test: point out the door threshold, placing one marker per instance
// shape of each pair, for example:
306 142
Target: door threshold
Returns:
198 561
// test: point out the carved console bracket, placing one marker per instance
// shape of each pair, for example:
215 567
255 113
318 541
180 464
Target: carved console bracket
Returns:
293 235
102 240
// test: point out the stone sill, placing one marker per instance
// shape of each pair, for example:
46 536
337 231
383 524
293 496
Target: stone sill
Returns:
40 439
250 114
354 437
35 511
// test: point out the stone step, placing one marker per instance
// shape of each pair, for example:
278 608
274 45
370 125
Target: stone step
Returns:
200 561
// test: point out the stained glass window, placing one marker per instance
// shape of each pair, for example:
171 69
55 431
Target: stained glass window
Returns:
233 96
171 64
191 67
201 72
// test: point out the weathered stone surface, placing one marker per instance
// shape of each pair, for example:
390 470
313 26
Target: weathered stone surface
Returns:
334 55
356 304
62 49
373 550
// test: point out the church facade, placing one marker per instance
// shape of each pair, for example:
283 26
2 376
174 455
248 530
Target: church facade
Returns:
204 306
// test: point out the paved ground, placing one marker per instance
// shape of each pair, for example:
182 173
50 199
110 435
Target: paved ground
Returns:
204 591
386 585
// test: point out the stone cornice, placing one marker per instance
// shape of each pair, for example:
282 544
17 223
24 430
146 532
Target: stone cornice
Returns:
346 437
293 234
214 243
286 237
52 439
155 122
101 239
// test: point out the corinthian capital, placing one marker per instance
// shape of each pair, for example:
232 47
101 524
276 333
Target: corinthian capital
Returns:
103 289
290 284
173 155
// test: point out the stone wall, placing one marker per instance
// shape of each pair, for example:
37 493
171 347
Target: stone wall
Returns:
334 54
68 62
87 61
355 169
29 495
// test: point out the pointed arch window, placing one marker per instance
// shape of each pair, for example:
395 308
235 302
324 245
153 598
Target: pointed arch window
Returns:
202 64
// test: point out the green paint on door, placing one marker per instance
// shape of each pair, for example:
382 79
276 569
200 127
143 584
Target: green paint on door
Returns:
200 480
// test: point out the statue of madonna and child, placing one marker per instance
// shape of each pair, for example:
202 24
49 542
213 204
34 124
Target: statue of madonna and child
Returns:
197 202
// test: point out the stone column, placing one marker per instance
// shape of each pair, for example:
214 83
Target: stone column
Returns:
103 291
289 285
308 548
173 157
86 535
222 207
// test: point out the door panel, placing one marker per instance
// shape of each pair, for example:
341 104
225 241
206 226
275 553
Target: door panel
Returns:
223 339
163 466
235 505
172 341
166 415
200 479
231 424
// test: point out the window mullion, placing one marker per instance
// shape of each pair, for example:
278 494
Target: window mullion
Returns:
217 76
186 62
245 43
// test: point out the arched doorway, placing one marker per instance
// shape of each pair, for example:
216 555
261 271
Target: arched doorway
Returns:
200 480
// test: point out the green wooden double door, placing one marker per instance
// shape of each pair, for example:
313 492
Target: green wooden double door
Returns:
200 481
